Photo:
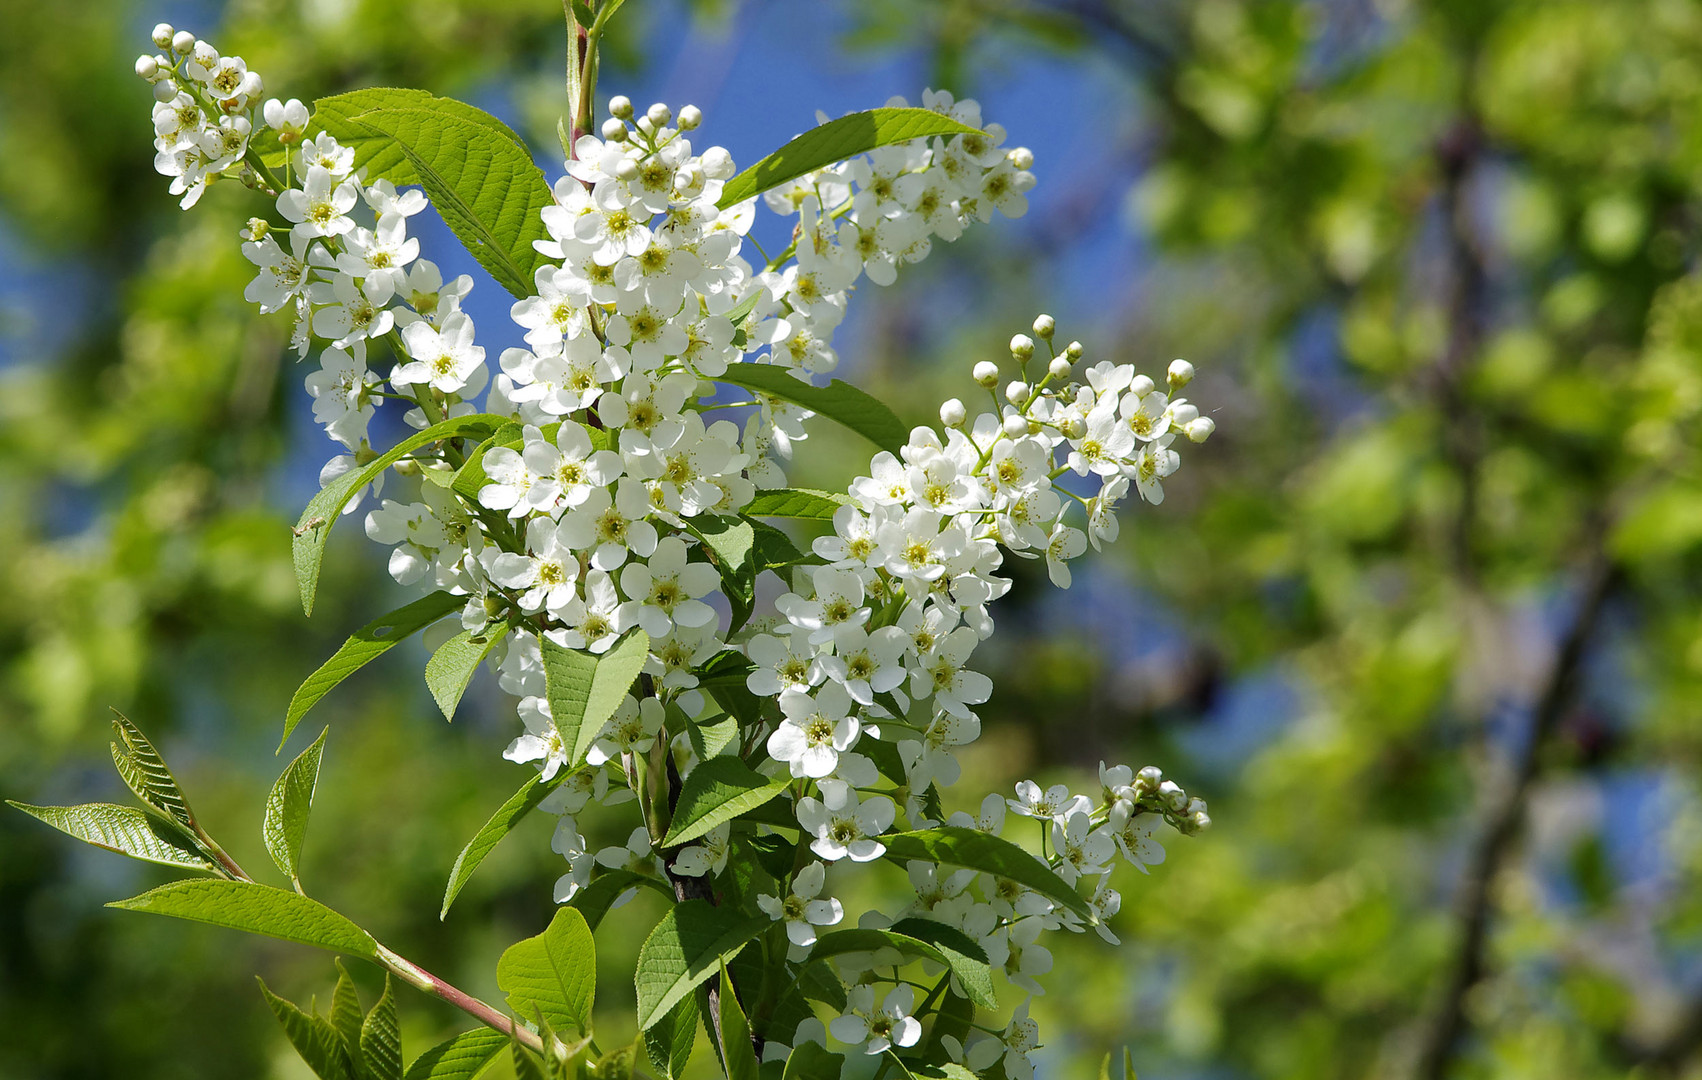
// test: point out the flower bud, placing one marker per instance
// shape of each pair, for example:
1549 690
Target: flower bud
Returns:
717 163
1147 780
257 229
1021 157
644 126
614 129
1074 351
626 169
1017 392
1200 821
1183 413
1015 425
162 35
1044 325
1059 368
1073 427
165 89
1141 386
1181 373
986 373
690 117
659 115
147 67
1022 347
620 106
1200 430
182 42
953 414
1173 795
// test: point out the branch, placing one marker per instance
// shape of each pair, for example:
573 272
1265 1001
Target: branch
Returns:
1448 1025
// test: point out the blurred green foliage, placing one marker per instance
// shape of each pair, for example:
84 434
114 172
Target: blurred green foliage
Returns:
1436 262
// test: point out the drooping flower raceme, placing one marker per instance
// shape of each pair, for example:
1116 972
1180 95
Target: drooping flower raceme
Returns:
606 492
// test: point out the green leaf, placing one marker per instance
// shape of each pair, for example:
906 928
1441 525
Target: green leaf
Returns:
965 959
470 478
258 909
585 689
709 737
811 1061
953 1017
379 154
801 503
381 1037
739 1055
144 771
501 823
346 1015
687 948
484 185
526 1064
553 975
313 1038
595 899
718 790
838 401
1129 1065
123 829
323 510
724 677
287 809
956 845
461 1058
835 141
451 667
730 544
616 1064
364 646
669 1042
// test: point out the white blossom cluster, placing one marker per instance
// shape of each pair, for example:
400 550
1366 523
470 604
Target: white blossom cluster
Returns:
590 522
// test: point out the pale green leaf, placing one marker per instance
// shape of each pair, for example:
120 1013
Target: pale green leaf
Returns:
686 949
966 959
126 830
313 1038
378 153
501 823
381 1038
585 689
553 975
452 666
258 909
835 141
669 1041
463 1057
730 543
287 809
801 503
738 1054
838 401
346 1015
955 845
718 790
366 645
314 527
144 771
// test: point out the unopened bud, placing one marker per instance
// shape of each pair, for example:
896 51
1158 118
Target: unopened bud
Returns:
165 89
1074 351
1183 414
626 169
1021 157
1173 795
182 42
644 126
614 129
147 67
1073 427
1200 430
1141 386
1022 346
953 414
717 163
1017 392
1181 373
659 115
1044 325
1200 821
1059 368
162 35
1147 780
1015 425
620 106
690 117
986 373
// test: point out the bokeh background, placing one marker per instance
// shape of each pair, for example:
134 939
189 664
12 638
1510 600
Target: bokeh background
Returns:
1423 620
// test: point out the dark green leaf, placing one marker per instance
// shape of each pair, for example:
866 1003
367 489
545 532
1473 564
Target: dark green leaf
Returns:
144 771
323 510
739 1055
501 823
585 689
966 958
717 791
451 667
346 1015
669 1041
461 1058
553 975
953 1017
801 503
687 948
470 478
366 645
955 845
258 909
730 544
285 826
381 1038
811 1061
126 830
835 141
838 401
313 1038
595 899
960 955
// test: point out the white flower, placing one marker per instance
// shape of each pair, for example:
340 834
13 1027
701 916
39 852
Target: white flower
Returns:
542 742
380 257
445 358
282 274
1055 802
1155 462
634 855
1104 445
1015 948
838 602
611 229
866 664
708 856
595 621
782 662
815 730
321 207
801 909
877 1029
843 825
349 315
1133 834
567 470
568 843
546 572
1082 849
941 673
558 309
667 588
324 152
1020 1038
1064 544
339 392
613 525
